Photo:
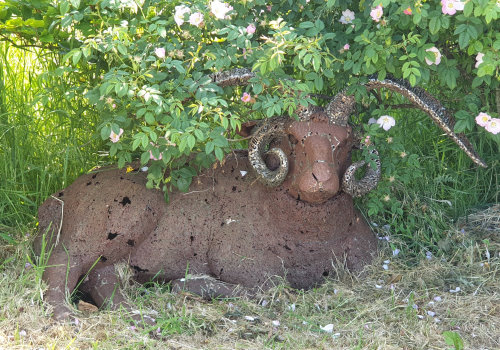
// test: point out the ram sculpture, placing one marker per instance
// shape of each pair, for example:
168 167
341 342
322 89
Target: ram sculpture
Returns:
282 209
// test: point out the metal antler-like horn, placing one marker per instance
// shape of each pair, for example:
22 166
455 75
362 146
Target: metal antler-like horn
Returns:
269 131
340 109
357 188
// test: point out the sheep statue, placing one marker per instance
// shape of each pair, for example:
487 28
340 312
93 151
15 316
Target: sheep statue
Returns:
281 209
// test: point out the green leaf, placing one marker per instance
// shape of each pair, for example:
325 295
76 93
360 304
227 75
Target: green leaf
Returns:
453 339
191 141
413 80
121 162
144 140
64 7
179 67
219 153
87 51
199 134
145 157
382 74
307 59
76 57
183 183
150 119
461 114
463 40
316 62
434 24
209 147
468 8
477 82
153 136
105 132
122 49
136 144
306 25
461 125
113 149
330 3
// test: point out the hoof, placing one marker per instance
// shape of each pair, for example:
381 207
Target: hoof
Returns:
62 314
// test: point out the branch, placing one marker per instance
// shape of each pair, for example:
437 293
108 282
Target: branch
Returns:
24 46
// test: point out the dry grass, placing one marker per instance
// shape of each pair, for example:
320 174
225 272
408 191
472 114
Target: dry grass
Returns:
385 309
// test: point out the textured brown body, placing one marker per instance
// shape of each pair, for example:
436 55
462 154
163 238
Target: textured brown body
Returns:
228 226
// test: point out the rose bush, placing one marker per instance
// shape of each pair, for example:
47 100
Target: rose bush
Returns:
145 65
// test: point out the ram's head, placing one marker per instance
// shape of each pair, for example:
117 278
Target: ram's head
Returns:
311 156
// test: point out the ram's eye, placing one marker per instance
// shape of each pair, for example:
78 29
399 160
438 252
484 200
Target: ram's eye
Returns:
292 139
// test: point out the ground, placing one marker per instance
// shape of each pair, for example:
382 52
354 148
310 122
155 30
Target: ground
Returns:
395 304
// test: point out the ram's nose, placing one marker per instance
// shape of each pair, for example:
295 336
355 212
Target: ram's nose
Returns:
320 184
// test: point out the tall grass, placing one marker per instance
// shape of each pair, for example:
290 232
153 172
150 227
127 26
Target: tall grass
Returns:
451 185
45 134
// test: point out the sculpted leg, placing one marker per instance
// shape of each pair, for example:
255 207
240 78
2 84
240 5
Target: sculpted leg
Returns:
61 274
103 285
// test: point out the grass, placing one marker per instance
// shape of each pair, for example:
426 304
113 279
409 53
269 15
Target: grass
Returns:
398 308
45 136
46 141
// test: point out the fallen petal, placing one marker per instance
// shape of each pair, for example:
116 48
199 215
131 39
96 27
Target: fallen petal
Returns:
328 328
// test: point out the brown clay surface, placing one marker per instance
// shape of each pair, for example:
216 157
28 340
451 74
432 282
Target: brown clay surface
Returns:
229 226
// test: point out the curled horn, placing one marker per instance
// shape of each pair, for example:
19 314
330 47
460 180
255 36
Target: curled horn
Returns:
269 131
358 188
339 111
342 106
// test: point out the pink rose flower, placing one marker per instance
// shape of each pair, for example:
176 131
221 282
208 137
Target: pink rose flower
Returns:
246 97
450 7
251 28
114 137
180 11
386 122
220 9
377 13
160 52
151 156
493 126
437 56
483 119
196 19
347 17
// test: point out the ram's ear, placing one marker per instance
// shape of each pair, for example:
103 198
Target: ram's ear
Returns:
247 128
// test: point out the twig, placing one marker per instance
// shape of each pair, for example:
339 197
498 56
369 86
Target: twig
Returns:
60 223
25 46
243 138
185 194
